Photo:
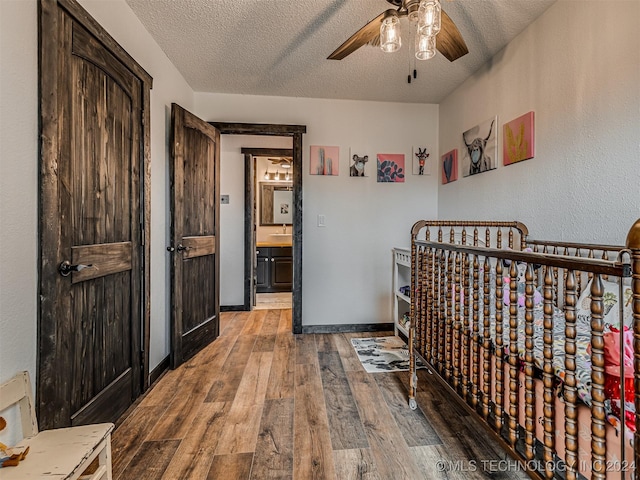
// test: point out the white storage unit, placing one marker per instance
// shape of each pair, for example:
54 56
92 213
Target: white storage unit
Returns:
401 290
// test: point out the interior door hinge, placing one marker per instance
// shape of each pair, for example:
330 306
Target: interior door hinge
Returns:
142 359
142 236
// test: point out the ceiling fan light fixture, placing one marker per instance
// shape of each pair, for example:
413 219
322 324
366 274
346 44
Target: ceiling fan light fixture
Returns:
390 40
425 46
285 164
429 17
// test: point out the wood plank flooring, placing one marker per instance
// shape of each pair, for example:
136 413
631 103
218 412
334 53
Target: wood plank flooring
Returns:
262 403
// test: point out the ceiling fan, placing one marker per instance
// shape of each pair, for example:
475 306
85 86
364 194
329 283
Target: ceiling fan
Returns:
435 30
284 162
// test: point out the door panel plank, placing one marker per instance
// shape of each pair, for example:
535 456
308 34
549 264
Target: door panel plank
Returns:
105 259
199 246
86 46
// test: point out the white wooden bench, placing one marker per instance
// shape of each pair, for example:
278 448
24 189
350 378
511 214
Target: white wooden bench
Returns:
63 453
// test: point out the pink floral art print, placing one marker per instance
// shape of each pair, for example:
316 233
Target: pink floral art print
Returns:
390 167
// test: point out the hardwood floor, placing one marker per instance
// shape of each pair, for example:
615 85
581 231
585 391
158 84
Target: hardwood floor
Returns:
262 403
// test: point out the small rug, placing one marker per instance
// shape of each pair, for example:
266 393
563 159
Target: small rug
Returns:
383 354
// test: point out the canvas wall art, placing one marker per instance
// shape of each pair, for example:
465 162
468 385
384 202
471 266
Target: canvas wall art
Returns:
358 162
518 139
421 161
480 147
450 166
390 167
324 160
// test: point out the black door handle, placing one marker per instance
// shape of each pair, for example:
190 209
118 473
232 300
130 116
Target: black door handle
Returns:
65 268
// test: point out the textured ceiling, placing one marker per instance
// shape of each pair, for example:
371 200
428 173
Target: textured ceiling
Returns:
279 47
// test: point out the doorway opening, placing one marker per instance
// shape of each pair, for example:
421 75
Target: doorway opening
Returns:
295 132
272 182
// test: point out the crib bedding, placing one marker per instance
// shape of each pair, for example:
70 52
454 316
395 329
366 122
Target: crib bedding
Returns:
583 358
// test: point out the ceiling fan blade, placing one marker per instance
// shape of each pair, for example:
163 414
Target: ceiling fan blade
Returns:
449 41
358 39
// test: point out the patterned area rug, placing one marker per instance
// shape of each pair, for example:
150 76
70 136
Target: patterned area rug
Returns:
383 354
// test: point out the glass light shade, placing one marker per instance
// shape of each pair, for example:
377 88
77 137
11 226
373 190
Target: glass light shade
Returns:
390 40
425 46
266 175
429 17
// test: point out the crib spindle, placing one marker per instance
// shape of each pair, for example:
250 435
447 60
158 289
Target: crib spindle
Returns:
465 327
475 340
513 355
570 392
442 330
442 310
486 341
453 305
530 414
547 372
456 324
499 406
426 289
425 299
419 293
511 238
598 445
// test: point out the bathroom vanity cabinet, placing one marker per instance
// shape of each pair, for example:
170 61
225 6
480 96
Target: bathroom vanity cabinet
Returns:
274 272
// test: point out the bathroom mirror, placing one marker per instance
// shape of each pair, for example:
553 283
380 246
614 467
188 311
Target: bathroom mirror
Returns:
276 203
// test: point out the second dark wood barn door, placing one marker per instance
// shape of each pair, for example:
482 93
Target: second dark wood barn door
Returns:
195 183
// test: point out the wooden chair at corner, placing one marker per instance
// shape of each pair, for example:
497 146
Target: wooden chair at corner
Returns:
63 453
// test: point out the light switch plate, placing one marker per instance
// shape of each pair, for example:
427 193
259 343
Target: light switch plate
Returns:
322 221
224 199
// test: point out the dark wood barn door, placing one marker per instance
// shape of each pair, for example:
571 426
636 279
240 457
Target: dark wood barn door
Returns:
92 284
195 299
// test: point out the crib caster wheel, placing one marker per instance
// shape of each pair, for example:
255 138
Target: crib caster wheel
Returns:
412 404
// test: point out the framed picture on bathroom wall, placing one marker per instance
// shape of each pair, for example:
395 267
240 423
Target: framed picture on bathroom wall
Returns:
324 160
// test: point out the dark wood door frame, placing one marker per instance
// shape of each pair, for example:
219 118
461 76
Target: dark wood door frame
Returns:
296 132
250 213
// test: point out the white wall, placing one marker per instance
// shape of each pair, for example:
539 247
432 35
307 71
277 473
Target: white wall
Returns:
346 271
578 68
19 171
18 187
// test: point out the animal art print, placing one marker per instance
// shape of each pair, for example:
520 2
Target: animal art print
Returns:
357 168
421 156
481 148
